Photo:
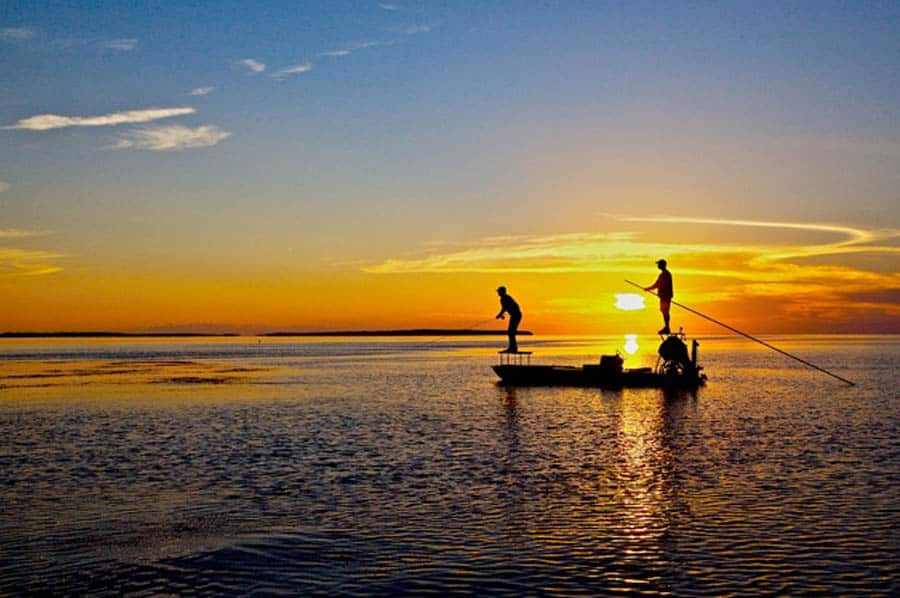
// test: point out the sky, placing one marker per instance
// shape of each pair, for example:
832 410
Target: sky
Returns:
253 167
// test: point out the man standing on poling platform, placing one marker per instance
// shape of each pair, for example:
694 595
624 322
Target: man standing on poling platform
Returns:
663 285
509 305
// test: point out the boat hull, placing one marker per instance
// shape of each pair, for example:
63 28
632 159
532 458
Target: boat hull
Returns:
593 376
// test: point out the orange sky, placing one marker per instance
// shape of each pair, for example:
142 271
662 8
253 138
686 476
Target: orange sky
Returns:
767 277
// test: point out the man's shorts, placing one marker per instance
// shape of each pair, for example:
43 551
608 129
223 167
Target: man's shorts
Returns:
664 305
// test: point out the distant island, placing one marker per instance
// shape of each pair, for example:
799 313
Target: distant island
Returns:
110 334
410 332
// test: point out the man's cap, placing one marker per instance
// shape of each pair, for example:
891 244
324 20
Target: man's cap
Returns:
660 262
501 289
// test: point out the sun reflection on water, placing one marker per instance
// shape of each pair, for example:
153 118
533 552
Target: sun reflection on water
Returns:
631 346
648 488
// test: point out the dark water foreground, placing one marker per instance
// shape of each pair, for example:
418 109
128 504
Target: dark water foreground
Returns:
381 467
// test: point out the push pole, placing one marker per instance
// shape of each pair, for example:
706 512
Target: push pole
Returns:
750 336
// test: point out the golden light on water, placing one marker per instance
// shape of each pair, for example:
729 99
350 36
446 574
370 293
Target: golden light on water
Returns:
629 301
631 345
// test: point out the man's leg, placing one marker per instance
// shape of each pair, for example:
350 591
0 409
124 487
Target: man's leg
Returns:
513 327
664 306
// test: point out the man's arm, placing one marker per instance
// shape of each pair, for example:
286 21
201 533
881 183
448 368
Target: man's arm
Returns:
656 284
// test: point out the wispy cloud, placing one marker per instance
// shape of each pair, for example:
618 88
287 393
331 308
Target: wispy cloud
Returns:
253 66
27 262
856 240
3 186
44 122
355 47
15 261
391 7
19 34
201 91
16 34
628 250
19 233
292 70
122 45
416 29
570 252
171 138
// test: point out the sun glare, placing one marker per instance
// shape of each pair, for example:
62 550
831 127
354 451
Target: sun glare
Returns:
629 301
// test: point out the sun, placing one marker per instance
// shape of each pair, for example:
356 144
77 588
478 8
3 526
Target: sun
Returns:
629 301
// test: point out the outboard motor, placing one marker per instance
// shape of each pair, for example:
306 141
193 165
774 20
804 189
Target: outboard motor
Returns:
674 357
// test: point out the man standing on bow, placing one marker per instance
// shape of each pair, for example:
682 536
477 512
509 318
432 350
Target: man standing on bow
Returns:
663 286
509 305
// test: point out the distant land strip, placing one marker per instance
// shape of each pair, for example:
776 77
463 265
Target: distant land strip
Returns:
411 332
110 334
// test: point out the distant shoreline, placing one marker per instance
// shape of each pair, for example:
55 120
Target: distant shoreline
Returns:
410 332
111 334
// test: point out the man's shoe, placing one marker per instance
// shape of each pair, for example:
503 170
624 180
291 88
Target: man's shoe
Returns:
664 330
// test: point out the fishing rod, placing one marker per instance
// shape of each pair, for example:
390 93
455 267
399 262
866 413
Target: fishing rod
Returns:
467 327
750 336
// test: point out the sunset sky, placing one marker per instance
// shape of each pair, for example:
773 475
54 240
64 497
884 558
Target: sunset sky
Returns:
251 167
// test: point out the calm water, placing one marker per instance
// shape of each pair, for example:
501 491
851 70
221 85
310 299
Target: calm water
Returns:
400 466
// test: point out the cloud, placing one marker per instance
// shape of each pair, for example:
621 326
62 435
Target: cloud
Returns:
390 7
44 122
25 262
201 91
364 45
628 251
856 240
18 233
3 186
171 138
16 34
570 252
353 48
292 70
253 66
123 45
415 29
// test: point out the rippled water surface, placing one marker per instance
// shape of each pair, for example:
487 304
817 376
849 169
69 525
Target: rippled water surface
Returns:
383 466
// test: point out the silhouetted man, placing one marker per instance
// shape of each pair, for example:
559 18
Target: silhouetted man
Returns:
663 286
509 306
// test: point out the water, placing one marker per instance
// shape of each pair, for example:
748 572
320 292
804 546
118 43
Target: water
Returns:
382 466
